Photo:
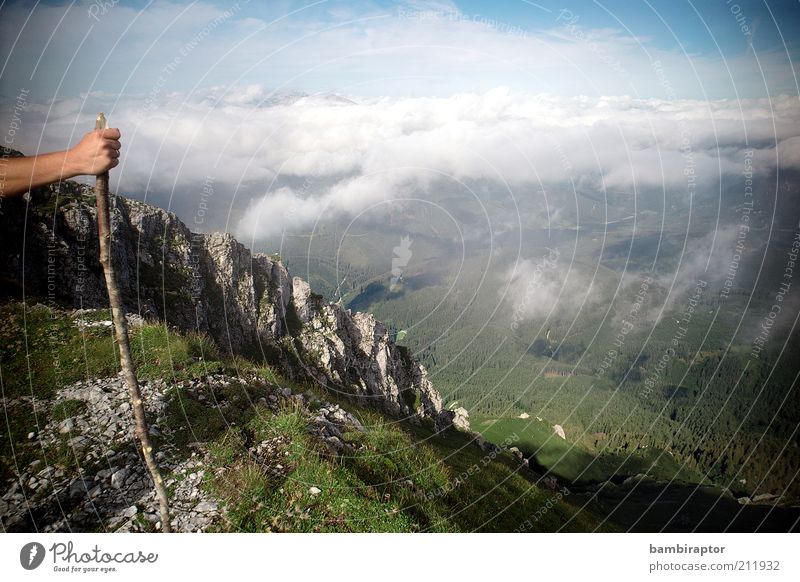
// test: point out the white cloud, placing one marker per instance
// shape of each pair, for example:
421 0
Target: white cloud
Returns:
380 149
547 286
352 153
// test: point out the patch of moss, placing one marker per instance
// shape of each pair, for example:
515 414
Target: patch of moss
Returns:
411 398
67 409
193 420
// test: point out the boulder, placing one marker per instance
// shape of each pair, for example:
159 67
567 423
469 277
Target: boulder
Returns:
461 419
119 477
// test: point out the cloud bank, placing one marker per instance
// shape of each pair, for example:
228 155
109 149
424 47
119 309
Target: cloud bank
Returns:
284 161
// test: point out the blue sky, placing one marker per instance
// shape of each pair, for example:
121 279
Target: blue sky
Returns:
700 26
411 48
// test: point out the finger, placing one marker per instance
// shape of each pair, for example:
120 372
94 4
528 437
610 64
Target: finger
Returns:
113 144
114 153
111 133
114 163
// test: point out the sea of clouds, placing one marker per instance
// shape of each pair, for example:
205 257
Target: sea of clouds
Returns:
283 161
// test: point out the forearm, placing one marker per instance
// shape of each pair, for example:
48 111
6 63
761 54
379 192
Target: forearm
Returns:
19 175
97 152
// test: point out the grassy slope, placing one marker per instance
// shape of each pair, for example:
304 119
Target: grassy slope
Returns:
401 477
576 462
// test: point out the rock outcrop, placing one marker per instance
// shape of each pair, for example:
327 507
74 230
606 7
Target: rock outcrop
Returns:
210 283
459 418
355 351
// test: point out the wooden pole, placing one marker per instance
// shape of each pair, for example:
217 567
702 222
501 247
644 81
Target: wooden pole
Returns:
141 428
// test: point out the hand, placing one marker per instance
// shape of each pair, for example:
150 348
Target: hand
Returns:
97 152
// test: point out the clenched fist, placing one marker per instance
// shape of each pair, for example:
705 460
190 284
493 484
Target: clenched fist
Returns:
96 153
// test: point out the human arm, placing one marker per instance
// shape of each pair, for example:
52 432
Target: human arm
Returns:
97 152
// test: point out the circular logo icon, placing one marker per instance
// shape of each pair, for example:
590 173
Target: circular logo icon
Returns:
31 555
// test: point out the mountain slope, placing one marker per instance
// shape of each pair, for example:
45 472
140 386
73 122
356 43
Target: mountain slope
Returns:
241 447
272 410
249 304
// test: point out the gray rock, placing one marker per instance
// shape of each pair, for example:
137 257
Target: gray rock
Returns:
78 441
335 443
79 488
461 419
206 507
478 439
550 482
118 478
329 429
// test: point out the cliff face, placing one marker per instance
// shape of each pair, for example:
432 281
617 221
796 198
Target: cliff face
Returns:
249 304
356 351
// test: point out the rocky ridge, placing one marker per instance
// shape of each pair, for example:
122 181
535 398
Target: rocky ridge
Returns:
248 303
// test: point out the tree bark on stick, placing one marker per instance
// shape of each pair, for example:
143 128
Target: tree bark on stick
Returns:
141 429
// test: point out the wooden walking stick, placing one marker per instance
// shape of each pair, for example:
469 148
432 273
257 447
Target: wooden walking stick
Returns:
121 331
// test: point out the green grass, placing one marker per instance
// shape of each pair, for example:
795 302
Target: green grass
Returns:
400 478
67 409
43 349
163 353
259 501
575 462
495 494
225 406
